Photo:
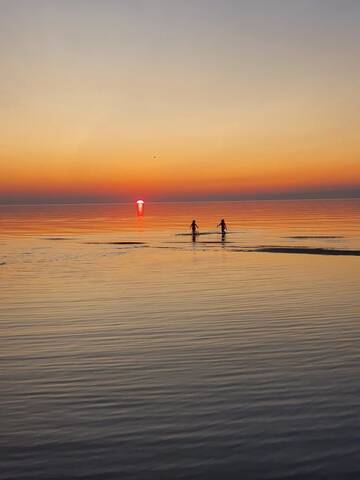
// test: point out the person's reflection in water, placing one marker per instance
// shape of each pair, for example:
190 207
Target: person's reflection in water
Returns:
194 230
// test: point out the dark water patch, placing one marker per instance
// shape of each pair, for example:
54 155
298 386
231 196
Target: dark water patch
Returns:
302 250
196 234
209 243
131 247
204 243
169 248
311 237
177 242
114 243
217 242
59 238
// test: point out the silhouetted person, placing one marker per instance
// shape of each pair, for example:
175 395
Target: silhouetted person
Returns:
223 226
194 227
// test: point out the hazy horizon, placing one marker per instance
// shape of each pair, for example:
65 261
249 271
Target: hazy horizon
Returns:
78 201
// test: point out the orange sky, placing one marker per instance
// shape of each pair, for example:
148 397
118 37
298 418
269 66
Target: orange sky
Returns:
166 102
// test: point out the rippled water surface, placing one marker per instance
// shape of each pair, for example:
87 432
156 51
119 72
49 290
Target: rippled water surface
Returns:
130 351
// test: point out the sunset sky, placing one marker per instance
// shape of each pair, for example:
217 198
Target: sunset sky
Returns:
105 100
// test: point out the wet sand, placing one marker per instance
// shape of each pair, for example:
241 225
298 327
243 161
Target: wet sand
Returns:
303 250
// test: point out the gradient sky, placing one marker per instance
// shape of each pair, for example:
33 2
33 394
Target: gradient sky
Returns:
178 99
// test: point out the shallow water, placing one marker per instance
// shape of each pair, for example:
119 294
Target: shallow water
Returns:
169 358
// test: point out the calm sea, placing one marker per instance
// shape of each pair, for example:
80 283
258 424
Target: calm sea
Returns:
174 359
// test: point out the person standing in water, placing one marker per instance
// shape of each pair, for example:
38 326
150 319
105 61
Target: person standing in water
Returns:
194 227
223 226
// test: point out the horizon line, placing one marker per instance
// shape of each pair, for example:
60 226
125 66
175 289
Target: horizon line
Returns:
99 202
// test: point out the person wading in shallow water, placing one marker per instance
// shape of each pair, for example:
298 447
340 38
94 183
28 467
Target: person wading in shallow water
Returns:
194 227
223 226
